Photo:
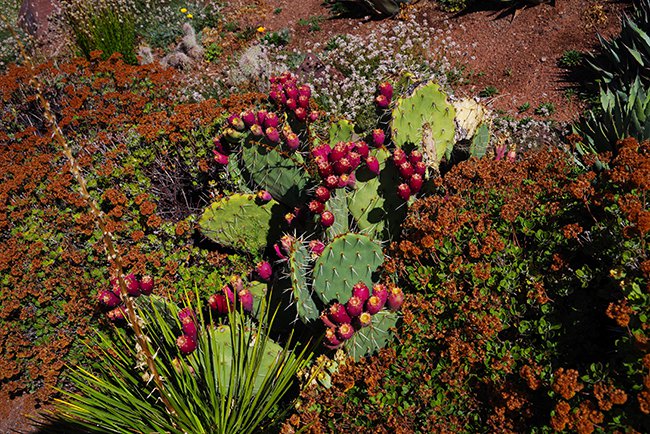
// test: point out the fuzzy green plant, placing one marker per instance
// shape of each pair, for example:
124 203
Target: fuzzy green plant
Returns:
232 382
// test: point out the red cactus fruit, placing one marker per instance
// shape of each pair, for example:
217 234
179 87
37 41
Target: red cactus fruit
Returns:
395 298
278 251
373 164
415 156
188 324
292 92
227 291
132 285
272 134
316 247
146 285
326 321
380 290
236 283
245 297
292 141
186 312
338 314
301 114
342 166
261 116
420 168
339 151
382 102
220 158
324 169
264 271
303 101
332 182
355 159
326 219
117 315
257 130
305 90
406 170
292 104
219 303
362 149
331 341
322 194
316 206
109 298
264 196
236 122
344 180
404 191
313 116
186 344
363 320
386 89
344 332
289 217
354 306
415 183
249 118
374 304
352 180
378 137
361 291
271 120
322 150
399 157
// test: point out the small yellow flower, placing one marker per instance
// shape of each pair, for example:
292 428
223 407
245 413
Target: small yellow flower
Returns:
261 29
183 10
189 16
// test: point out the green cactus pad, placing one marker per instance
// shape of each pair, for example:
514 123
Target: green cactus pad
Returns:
338 205
371 339
347 260
374 204
238 222
285 178
259 290
425 119
299 261
480 142
341 131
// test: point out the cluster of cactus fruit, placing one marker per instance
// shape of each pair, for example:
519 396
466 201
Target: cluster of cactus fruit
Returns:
111 300
293 97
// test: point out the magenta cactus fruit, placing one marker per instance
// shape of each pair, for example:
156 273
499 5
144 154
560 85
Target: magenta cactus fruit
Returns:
354 306
386 89
303 101
236 122
227 291
399 157
249 118
117 315
415 183
322 194
324 168
344 332
186 312
316 247
363 320
305 90
236 283
354 158
264 196
380 290
404 191
406 170
326 219
395 298
132 285
272 134
332 182
322 150
331 340
292 92
382 102
188 324
261 116
339 151
217 144
378 137
373 164
313 116
146 285
264 270
257 130
301 114
245 297
415 156
109 298
362 149
338 314
344 180
220 158
316 206
342 166
271 120
219 303
420 168
289 217
186 344
361 291
292 104
374 304
292 141
326 321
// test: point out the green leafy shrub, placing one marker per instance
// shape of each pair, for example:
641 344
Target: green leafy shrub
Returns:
570 59
530 293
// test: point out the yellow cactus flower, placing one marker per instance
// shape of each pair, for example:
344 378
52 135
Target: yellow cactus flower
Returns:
189 16
183 10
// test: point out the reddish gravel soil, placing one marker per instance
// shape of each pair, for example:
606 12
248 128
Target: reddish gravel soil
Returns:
516 53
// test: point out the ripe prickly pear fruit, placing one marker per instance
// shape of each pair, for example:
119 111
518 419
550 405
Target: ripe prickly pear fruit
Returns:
374 304
316 206
271 120
261 116
378 137
292 104
227 291
354 158
264 271
354 306
321 150
132 285
217 144
109 298
420 168
344 332
362 149
382 102
338 314
404 191
257 130
399 157
363 320
415 156
313 116
344 180
322 194
326 321
386 89
186 344
339 151
342 166
406 170
186 312
264 196
415 183
236 122
395 298
245 297
303 101
361 291
220 158
249 118
331 340
326 219
332 182
219 303
146 285
272 134
236 283
380 290
352 180
301 114
117 315
288 217
305 90
324 168
189 327
292 92
292 141
373 164
316 247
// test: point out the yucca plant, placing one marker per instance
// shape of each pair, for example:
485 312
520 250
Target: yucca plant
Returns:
232 383
621 114
621 60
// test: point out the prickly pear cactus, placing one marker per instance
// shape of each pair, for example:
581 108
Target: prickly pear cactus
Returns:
338 205
341 131
285 178
299 262
240 223
371 339
469 116
425 119
374 204
347 260
480 142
